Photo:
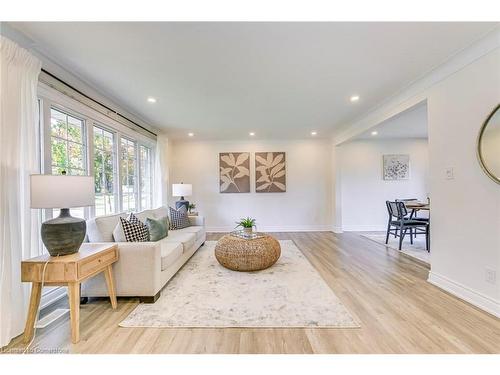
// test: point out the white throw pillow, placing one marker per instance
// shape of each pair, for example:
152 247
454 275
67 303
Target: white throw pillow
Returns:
118 233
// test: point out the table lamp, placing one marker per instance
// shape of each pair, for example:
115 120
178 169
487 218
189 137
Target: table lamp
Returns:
182 190
64 234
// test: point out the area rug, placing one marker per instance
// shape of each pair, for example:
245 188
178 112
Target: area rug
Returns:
204 294
417 250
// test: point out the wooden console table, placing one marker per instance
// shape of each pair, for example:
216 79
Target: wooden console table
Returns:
70 271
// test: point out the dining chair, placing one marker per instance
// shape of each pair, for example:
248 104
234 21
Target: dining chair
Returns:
398 224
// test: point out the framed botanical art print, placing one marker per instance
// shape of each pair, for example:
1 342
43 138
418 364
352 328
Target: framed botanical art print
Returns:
234 172
270 172
396 167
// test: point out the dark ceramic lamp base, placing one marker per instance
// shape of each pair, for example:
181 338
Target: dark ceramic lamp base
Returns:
64 234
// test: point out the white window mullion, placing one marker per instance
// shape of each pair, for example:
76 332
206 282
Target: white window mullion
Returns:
119 171
90 158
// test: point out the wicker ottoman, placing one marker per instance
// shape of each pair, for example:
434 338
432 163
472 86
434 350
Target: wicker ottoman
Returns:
239 254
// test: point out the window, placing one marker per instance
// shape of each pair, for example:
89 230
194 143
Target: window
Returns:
67 144
79 140
128 174
104 172
68 149
146 177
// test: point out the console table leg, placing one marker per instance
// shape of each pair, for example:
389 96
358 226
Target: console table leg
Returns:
74 310
36 293
108 274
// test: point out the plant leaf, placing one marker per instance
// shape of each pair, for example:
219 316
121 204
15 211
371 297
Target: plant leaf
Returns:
279 185
224 171
243 170
269 160
224 186
261 160
242 158
263 186
225 178
279 174
226 159
261 168
277 168
232 159
239 175
277 159
263 178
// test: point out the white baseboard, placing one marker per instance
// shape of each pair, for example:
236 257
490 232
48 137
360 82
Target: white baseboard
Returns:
284 228
461 291
336 229
364 228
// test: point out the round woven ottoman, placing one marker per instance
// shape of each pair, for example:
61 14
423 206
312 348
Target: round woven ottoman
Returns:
239 254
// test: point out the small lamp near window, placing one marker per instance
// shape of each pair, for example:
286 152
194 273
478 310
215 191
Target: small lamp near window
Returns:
182 190
64 234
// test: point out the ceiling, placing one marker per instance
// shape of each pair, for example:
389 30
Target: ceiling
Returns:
411 123
223 80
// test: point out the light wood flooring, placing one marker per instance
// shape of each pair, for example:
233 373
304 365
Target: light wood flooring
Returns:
399 312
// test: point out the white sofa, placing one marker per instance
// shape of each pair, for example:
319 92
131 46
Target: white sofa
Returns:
143 268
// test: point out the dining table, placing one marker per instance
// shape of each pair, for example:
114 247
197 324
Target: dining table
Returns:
417 206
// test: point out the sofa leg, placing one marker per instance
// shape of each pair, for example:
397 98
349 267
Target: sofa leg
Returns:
150 299
84 300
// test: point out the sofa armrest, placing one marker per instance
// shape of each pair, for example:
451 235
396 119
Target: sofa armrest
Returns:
197 220
136 273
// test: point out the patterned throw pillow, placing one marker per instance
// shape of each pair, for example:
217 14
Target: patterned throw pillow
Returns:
179 218
134 229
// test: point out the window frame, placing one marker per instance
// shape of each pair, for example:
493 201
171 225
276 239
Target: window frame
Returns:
116 162
51 98
151 170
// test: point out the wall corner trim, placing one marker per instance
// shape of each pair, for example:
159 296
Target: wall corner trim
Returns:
479 300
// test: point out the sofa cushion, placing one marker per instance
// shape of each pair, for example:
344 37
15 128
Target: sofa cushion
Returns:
187 239
179 218
197 230
160 212
134 230
143 215
170 252
100 229
158 228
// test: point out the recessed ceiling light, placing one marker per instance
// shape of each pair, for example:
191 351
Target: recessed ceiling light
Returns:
251 134
191 134
314 133
354 98
151 99
374 132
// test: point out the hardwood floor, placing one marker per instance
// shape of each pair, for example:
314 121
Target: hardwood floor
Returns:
398 310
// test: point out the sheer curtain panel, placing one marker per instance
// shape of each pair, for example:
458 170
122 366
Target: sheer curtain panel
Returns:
19 157
161 175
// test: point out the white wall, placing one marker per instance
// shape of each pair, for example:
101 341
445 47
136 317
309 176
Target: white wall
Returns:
465 225
465 211
306 205
364 191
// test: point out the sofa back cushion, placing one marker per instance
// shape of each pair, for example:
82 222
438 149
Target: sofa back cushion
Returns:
100 229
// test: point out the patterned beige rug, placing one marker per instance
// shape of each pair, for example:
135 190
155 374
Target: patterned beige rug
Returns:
204 294
415 250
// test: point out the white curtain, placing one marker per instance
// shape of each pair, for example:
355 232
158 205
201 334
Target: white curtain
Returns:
161 171
19 157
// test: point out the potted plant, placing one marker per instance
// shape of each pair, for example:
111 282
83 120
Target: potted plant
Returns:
247 224
191 207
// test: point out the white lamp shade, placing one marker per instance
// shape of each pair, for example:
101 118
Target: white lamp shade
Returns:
48 191
182 190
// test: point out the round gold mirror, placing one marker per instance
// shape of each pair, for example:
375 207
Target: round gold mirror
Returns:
488 145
